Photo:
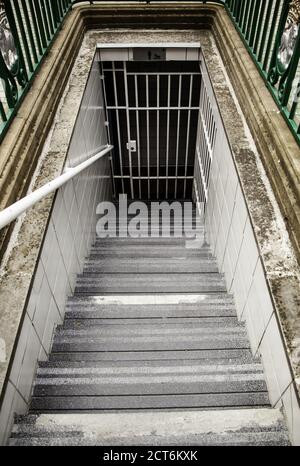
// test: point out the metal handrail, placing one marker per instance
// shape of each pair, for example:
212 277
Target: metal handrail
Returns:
12 212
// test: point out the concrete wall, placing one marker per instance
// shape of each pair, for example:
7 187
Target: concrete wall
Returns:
70 232
231 236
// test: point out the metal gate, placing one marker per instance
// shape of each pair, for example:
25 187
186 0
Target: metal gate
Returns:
152 113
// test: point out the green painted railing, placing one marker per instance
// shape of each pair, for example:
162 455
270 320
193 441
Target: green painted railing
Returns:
27 30
270 31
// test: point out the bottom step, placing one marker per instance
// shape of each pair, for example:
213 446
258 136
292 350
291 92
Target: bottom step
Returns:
251 427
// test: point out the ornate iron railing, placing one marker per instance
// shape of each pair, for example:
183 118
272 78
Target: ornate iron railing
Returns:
27 29
270 29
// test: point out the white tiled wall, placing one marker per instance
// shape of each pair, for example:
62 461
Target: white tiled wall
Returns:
232 238
90 133
71 231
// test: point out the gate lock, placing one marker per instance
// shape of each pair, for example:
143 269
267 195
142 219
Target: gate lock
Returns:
131 146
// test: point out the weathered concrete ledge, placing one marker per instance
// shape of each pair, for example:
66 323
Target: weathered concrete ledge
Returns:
279 151
22 147
280 155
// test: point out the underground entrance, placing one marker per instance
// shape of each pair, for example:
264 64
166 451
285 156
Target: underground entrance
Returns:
162 118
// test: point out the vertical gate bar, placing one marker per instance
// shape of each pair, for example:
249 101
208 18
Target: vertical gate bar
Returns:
211 123
202 153
246 16
295 102
45 22
206 135
253 28
250 21
188 134
271 36
178 133
50 22
40 23
118 127
259 25
202 142
35 26
158 134
2 112
19 22
107 128
29 31
128 128
234 9
206 160
198 143
168 137
138 133
241 14
148 141
260 54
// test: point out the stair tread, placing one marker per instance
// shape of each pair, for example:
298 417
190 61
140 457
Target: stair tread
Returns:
167 401
170 355
152 329
256 426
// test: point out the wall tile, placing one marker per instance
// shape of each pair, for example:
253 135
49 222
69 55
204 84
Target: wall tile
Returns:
292 412
5 413
269 371
53 319
272 340
42 308
29 364
20 351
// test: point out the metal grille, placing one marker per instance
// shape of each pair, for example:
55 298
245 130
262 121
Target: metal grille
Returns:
27 29
206 139
153 111
268 36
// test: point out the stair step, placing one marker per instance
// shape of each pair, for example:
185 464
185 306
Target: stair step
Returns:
150 307
141 370
132 264
172 245
80 324
257 426
151 402
161 364
151 283
163 330
151 385
72 355
100 253
149 343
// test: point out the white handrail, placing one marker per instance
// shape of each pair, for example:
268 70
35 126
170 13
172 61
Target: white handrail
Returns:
12 212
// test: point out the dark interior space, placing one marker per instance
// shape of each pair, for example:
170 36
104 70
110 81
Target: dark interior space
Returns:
155 105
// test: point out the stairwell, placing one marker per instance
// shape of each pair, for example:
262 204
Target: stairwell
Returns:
150 353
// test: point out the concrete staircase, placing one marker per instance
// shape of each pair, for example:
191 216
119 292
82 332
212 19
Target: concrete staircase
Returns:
150 353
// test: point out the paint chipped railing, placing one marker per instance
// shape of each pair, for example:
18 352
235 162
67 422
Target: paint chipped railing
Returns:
270 30
27 30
